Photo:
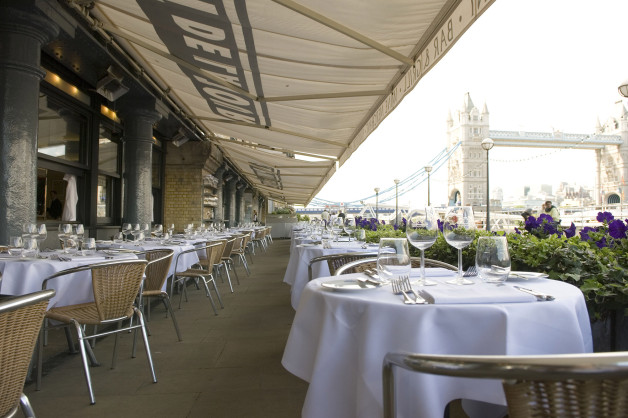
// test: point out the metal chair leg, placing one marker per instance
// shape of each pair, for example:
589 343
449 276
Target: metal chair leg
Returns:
82 345
166 300
146 345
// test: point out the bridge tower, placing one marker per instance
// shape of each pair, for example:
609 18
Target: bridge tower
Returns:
466 182
612 160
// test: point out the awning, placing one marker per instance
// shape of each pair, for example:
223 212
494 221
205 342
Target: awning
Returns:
276 82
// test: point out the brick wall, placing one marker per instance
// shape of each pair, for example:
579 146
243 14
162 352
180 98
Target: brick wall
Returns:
185 167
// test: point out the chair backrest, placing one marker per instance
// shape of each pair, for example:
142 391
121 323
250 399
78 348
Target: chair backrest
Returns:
20 320
237 244
337 260
217 253
260 234
228 247
116 285
359 266
159 262
245 240
577 385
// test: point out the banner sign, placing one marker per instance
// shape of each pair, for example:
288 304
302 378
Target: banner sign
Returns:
204 35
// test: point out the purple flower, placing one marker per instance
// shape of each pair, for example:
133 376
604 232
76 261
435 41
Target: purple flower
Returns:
383 222
545 217
531 223
601 243
584 233
517 231
395 227
606 217
440 225
617 229
571 231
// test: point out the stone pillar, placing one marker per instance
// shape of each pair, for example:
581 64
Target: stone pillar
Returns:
218 215
23 32
241 203
138 152
231 187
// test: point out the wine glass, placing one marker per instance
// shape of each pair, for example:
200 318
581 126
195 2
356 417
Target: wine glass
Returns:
146 230
29 245
80 234
29 230
336 226
171 229
360 237
158 230
459 231
126 229
349 226
135 231
492 259
422 231
393 259
65 234
42 234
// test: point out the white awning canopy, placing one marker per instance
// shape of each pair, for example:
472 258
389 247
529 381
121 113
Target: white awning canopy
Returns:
272 80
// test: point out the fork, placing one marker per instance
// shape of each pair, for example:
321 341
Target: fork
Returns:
398 290
471 271
407 287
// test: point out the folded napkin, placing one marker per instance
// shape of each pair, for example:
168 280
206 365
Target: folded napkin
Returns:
433 272
476 293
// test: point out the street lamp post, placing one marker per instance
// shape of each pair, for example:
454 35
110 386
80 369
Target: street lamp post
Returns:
396 202
487 144
377 203
428 170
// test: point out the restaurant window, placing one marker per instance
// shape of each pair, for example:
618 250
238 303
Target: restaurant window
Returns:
60 130
108 173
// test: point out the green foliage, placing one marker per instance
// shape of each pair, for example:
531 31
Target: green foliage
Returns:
304 218
283 211
601 273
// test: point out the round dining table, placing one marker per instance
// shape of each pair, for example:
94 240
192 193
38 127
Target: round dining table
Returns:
339 338
296 274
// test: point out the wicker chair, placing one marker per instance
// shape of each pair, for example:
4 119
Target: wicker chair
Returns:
359 266
226 262
159 262
568 385
115 285
259 240
335 261
240 251
205 273
20 321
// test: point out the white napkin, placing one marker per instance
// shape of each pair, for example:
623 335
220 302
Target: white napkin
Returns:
433 272
475 293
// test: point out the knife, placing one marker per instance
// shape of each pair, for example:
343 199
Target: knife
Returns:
539 295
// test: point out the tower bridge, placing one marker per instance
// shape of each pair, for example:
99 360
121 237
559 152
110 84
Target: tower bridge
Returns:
467 165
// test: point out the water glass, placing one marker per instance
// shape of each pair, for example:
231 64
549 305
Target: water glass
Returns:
393 259
29 244
89 246
16 246
118 238
360 237
349 226
492 259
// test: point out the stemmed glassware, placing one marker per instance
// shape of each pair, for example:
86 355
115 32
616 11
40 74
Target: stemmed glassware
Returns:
158 230
146 230
360 237
66 237
42 234
349 226
135 232
170 229
80 235
126 229
422 231
459 232
16 246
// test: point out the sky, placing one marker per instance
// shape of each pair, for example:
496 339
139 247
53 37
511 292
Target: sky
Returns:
539 65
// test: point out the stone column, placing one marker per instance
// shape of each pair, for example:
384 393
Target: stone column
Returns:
241 203
23 32
231 187
218 215
138 152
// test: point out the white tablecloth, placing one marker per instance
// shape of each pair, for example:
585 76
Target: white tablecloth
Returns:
338 341
296 271
21 277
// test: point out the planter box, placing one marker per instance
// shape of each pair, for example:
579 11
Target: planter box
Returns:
610 334
282 224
